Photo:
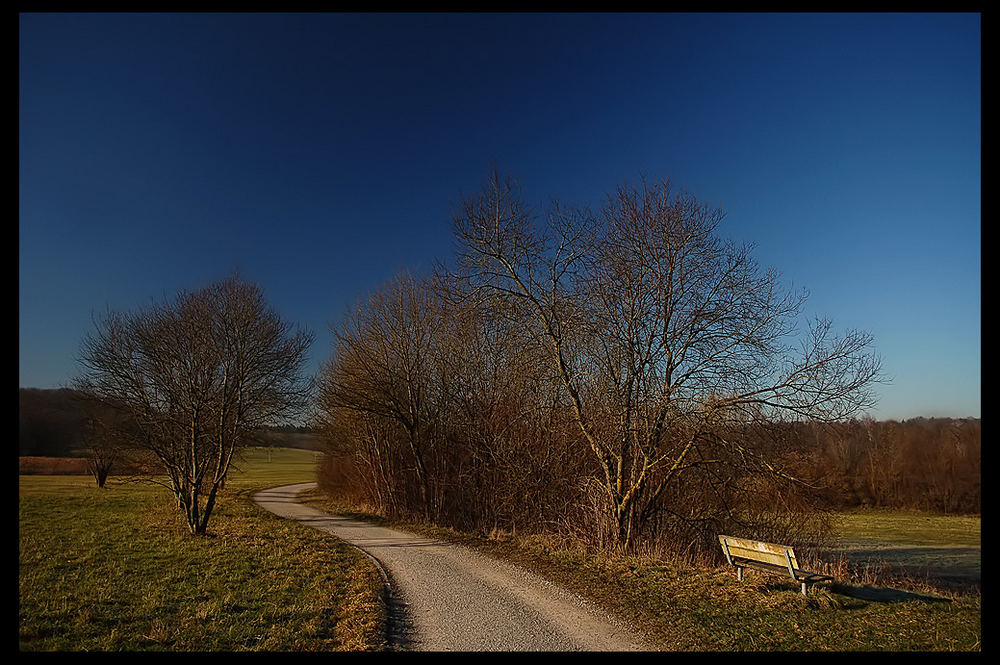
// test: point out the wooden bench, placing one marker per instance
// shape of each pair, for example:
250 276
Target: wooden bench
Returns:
780 559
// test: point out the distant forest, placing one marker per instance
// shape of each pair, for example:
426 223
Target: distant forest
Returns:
921 463
52 423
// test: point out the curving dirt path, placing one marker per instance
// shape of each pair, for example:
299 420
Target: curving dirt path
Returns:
444 597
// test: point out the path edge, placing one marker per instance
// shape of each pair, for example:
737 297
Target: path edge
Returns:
385 593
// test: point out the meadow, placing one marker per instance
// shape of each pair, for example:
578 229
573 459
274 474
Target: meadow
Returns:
116 570
918 544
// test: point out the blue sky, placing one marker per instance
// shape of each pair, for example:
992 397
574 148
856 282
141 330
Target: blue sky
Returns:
319 154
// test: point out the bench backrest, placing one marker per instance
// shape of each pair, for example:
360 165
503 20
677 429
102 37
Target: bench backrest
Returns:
758 551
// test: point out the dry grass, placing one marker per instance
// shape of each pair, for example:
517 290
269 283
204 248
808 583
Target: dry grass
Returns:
74 466
52 466
116 570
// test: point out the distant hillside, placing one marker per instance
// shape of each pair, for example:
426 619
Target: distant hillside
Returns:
282 438
51 424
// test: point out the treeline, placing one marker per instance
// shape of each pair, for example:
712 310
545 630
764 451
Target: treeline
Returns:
532 475
921 464
51 423
286 436
59 423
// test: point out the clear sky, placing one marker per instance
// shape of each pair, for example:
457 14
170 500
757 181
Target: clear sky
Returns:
319 154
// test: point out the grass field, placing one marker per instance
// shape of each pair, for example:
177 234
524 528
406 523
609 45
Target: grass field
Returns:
942 546
115 569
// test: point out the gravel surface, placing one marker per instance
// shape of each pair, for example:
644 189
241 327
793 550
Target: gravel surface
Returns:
444 597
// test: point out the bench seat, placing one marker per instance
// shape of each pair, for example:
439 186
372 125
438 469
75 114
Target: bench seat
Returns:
769 557
800 575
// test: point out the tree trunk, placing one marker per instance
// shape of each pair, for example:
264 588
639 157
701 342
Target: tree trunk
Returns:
421 474
100 473
625 526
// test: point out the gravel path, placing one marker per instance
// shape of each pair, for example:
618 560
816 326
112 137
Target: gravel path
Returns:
444 597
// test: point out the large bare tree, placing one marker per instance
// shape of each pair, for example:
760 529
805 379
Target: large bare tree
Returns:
196 375
669 341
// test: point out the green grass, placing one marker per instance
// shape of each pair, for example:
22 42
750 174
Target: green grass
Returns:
894 527
115 569
913 542
260 468
686 608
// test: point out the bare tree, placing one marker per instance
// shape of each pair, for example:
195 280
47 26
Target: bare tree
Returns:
197 375
368 444
504 417
384 367
668 341
102 449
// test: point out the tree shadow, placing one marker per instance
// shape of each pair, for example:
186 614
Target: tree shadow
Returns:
400 632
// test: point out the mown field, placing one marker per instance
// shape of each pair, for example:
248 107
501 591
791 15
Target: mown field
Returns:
115 569
946 547
687 608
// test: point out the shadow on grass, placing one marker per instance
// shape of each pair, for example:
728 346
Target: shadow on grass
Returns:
955 564
821 593
884 595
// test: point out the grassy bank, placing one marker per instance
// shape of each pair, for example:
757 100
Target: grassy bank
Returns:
693 609
115 569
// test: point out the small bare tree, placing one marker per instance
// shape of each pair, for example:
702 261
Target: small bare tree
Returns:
197 375
103 449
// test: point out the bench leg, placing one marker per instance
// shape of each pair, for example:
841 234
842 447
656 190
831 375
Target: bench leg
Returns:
739 573
804 589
